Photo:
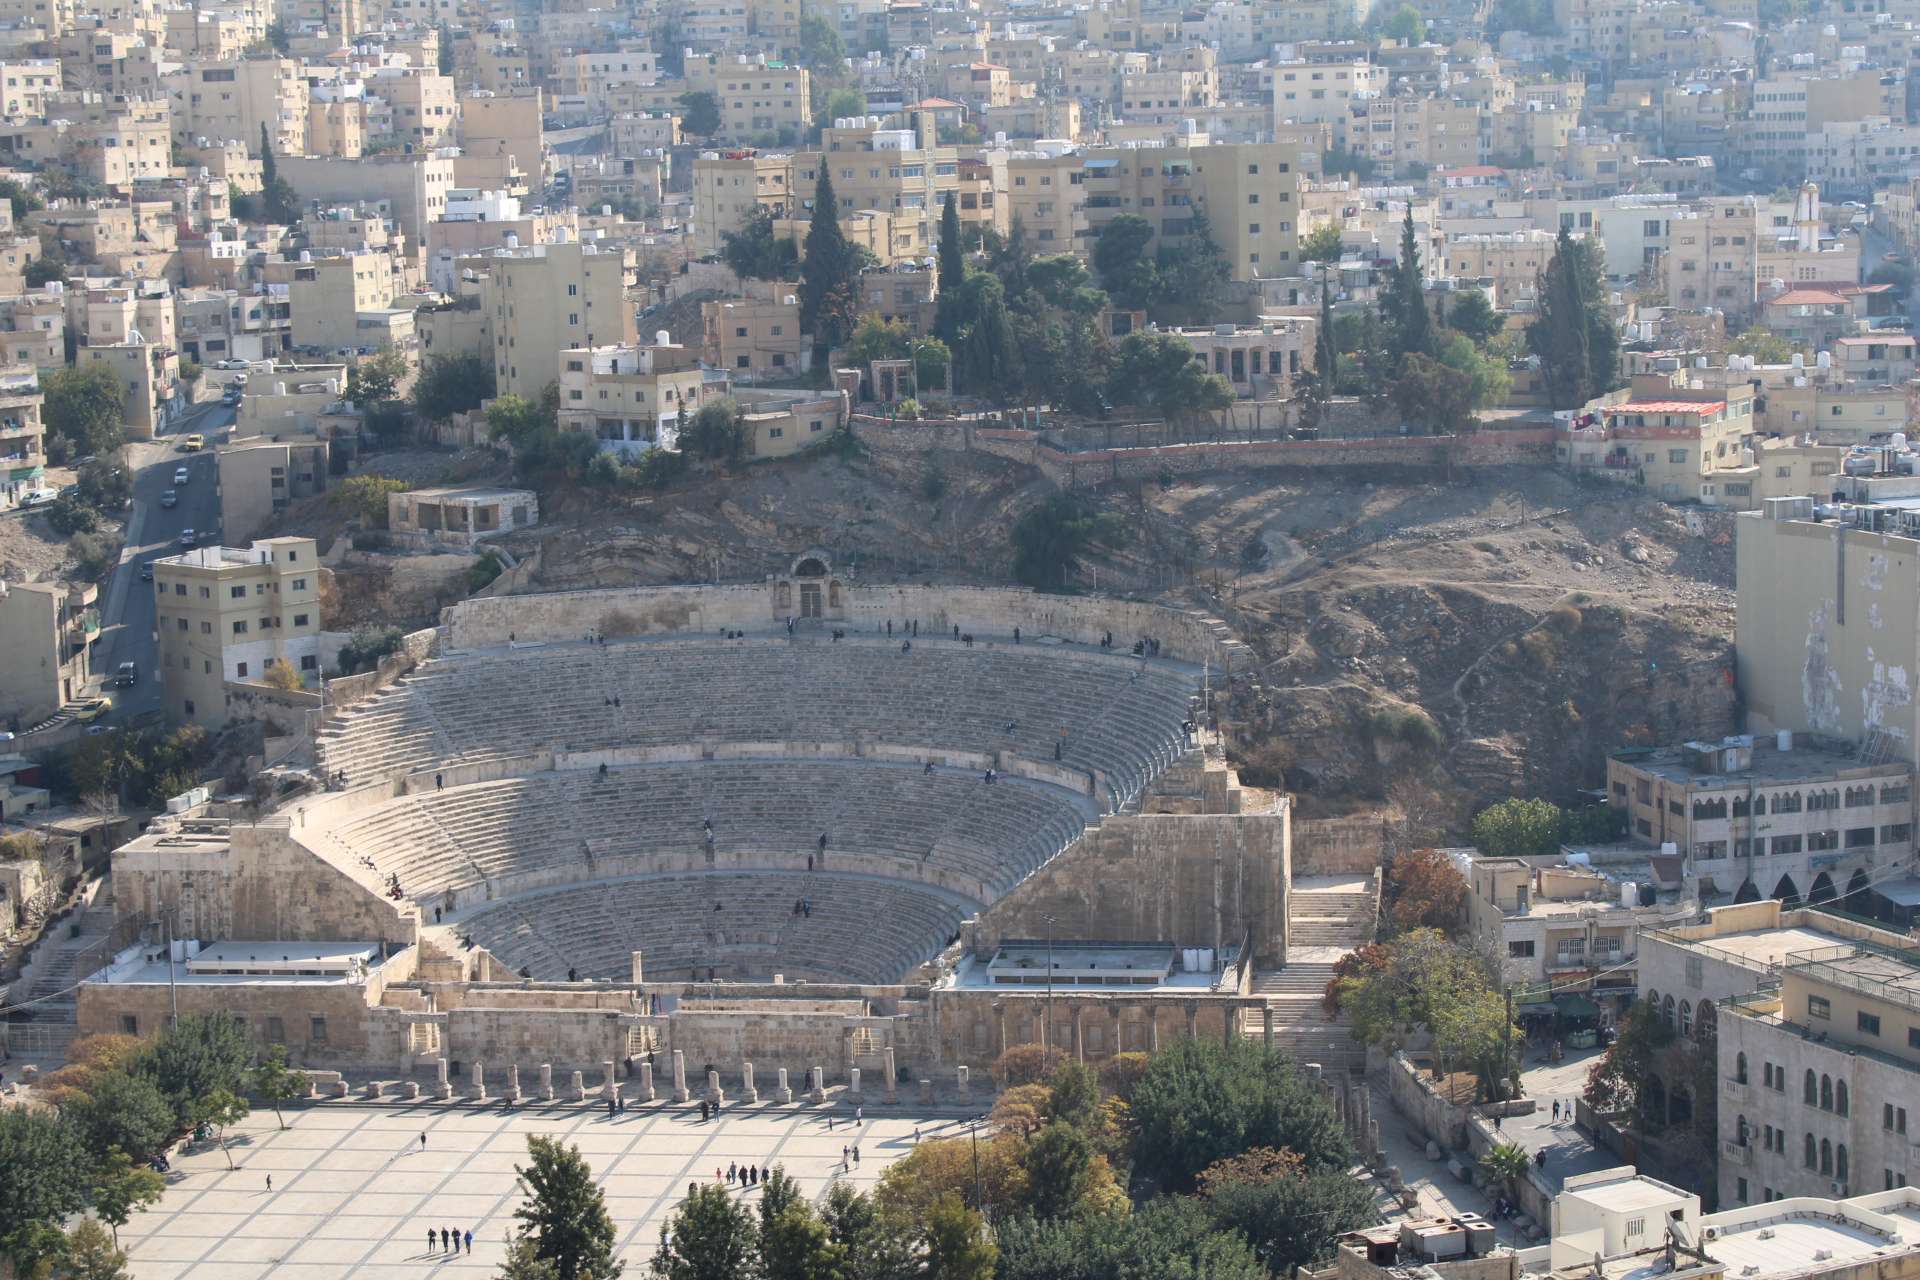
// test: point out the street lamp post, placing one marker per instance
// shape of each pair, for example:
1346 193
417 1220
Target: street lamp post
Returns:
1046 1034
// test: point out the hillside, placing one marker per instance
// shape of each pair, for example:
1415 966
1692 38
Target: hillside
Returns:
1455 642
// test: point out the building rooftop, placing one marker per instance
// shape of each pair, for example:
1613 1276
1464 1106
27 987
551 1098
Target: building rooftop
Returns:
1667 406
243 963
1808 760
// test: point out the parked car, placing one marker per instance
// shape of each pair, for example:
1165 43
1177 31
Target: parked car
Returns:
229 364
128 675
232 398
181 475
194 443
146 572
170 498
186 538
91 709
34 497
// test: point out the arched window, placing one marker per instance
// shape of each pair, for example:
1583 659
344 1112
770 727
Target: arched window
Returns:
1840 1162
1666 1010
1826 1093
1840 1097
1812 1156
1686 1017
1704 1021
1811 1090
1653 998
1740 1068
1826 1156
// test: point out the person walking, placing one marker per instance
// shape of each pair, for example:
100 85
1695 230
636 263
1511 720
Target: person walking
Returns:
445 1237
469 1243
269 1182
423 1140
430 1239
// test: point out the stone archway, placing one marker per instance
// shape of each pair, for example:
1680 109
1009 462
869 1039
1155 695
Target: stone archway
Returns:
1747 892
1788 892
810 590
1822 890
1858 900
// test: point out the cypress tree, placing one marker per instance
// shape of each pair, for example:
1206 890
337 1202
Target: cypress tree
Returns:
1413 327
827 288
1326 353
269 171
1561 331
953 264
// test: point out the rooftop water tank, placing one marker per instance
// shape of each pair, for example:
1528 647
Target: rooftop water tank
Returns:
1783 740
661 338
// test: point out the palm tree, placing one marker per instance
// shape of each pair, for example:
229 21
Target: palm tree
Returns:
1506 1161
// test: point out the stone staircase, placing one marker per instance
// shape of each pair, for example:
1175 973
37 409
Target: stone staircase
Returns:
1326 919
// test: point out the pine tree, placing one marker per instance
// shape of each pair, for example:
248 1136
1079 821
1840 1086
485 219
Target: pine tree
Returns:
1561 332
1326 357
1413 327
828 285
953 263
269 171
565 1214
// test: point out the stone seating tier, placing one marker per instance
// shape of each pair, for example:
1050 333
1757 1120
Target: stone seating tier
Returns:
860 929
557 826
1118 713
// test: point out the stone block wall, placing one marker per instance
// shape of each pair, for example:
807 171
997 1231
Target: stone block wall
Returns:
261 884
415 648
323 1025
1190 879
1337 846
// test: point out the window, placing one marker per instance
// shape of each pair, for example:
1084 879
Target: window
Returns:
1868 1023
299 584
1810 1089
240 628
1520 950
240 670
1677 456
317 1029
1819 1007
300 619
1892 1118
130 1025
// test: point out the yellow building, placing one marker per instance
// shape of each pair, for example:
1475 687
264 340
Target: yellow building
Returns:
549 298
328 295
631 398
226 613
756 339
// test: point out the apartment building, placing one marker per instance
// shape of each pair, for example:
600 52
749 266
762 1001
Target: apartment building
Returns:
47 630
230 101
1802 819
23 431
26 84
424 106
1324 92
260 477
1820 1077
226 613
149 373
550 299
756 339
1260 361
728 188
493 124
1512 261
414 186
461 518
631 398
1558 927
33 329
1248 190
757 98
327 297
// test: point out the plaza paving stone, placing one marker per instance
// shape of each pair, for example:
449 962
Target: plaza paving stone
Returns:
354 1193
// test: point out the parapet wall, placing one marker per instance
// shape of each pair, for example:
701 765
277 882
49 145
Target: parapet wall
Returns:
569 615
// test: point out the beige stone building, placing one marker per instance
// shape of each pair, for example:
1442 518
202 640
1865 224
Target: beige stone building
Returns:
1750 819
150 374
23 452
1262 360
47 630
425 107
494 124
33 328
756 339
328 296
549 298
225 613
462 518
230 100
259 477
631 398
414 186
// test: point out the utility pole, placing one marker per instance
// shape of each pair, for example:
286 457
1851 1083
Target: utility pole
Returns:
1506 1040
173 992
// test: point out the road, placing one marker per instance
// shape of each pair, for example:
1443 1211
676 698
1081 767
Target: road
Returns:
126 616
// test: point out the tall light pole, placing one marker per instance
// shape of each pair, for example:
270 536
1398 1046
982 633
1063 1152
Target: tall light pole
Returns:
1046 1032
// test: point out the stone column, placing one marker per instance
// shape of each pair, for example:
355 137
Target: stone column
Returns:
610 1081
853 1084
816 1084
442 1087
1079 1037
1193 1021
714 1093
680 1093
782 1093
479 1083
577 1088
646 1082
888 1089
1266 1026
636 969
960 1075
513 1083
546 1082
747 1092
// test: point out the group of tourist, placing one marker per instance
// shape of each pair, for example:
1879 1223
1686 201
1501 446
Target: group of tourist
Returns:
448 1241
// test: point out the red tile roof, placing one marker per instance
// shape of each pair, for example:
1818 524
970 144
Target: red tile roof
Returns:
1667 406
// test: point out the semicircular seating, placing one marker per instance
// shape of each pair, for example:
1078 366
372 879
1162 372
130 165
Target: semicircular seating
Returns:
742 925
550 826
1108 712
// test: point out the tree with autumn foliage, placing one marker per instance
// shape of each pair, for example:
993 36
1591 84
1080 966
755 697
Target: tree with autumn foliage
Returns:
1423 889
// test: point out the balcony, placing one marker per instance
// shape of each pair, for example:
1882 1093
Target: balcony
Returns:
1734 1153
1735 1091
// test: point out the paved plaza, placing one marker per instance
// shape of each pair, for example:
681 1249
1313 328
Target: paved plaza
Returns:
354 1192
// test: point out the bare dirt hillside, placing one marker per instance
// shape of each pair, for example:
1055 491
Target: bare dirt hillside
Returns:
1462 641
1487 638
